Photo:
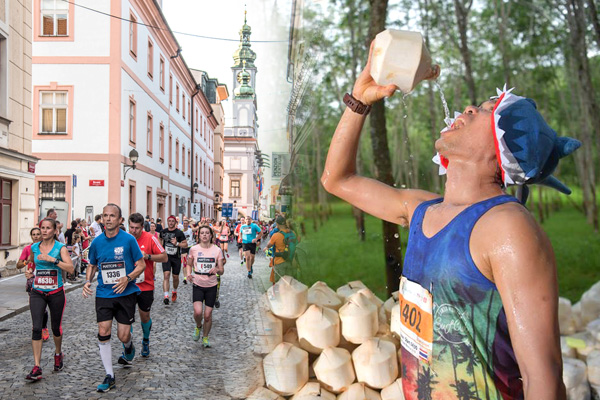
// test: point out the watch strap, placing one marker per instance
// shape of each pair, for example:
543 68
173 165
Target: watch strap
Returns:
356 105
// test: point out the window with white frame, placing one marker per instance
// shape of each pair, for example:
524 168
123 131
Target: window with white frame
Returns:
6 212
55 17
235 188
131 121
53 112
149 132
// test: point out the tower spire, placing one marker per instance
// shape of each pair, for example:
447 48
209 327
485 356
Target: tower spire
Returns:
244 51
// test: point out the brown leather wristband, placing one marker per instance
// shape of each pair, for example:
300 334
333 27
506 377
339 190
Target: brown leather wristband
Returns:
356 105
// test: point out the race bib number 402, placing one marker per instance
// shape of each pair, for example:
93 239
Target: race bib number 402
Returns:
112 272
416 319
204 264
46 279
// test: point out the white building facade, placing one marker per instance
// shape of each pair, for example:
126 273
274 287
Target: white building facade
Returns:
103 87
241 144
17 166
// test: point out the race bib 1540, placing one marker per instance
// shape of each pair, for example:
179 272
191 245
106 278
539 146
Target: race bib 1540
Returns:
416 319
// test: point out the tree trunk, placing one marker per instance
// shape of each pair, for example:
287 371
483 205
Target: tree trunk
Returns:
357 213
590 120
462 9
383 168
593 12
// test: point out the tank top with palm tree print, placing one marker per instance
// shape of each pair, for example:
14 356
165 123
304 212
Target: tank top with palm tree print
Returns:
468 354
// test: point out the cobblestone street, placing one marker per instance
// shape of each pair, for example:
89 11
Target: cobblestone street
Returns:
177 367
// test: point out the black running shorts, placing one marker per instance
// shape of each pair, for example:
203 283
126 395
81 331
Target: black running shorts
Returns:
251 247
239 245
145 300
173 265
207 295
120 308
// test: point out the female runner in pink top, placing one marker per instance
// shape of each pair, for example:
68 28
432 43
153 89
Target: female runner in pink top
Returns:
205 261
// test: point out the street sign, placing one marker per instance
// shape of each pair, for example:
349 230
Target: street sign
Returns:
96 182
74 180
196 211
255 215
235 213
227 210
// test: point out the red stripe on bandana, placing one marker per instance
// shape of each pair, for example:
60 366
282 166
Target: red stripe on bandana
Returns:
496 144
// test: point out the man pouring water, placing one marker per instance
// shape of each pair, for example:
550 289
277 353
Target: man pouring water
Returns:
479 274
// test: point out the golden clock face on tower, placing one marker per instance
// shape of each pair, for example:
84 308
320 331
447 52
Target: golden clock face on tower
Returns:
239 77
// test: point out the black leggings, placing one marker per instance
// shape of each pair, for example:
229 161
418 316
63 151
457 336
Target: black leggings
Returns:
38 301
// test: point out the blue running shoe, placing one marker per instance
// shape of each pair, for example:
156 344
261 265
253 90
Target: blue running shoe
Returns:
127 358
109 383
145 347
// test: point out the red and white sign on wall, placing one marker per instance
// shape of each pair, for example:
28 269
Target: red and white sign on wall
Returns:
96 182
31 167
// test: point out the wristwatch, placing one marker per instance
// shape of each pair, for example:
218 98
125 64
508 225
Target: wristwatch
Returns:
356 105
149 257
129 278
56 261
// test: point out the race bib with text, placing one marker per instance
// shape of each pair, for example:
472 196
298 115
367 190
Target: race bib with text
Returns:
204 264
416 319
112 272
46 279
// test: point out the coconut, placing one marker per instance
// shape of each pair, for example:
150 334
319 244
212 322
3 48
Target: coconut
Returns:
565 317
594 329
376 363
322 295
388 305
272 332
349 289
264 394
334 369
359 319
288 298
393 391
318 327
371 296
291 337
286 369
577 318
575 379
359 391
590 304
566 350
395 323
593 367
313 391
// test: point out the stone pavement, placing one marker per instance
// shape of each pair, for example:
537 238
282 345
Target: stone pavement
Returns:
178 367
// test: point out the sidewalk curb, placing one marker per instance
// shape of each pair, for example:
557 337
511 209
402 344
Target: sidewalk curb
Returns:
26 307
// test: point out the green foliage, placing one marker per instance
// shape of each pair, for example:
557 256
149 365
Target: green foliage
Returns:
336 256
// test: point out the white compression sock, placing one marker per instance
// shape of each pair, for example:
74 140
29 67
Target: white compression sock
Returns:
106 356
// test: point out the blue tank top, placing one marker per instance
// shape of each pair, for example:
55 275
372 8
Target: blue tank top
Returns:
459 347
48 277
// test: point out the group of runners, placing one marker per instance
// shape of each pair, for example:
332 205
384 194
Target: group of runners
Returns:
125 263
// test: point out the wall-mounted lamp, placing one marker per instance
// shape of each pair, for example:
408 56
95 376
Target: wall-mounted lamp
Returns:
195 187
133 157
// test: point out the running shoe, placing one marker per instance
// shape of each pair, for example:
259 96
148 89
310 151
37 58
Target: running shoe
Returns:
109 383
242 263
196 334
185 281
250 275
173 297
58 362
45 334
145 347
126 358
227 255
217 304
35 374
166 300
205 342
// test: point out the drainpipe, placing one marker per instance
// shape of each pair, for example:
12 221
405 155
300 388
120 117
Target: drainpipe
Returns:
198 87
